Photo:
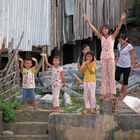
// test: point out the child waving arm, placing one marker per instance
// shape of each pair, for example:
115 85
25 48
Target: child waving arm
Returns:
36 62
119 26
46 60
21 63
92 27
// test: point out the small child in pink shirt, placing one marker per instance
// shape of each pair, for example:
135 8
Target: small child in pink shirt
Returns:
57 80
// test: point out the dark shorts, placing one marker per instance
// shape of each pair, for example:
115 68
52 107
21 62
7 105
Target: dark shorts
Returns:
28 94
125 71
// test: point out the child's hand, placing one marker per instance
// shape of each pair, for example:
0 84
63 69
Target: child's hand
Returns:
123 16
85 17
20 59
34 59
87 62
43 54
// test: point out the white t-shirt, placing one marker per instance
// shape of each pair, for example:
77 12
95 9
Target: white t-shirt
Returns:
124 59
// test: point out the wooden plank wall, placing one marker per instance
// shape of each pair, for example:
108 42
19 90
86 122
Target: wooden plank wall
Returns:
73 27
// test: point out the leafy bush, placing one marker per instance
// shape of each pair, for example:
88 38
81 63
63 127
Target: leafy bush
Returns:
8 109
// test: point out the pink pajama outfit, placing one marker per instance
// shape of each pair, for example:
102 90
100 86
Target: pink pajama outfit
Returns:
107 66
89 95
56 85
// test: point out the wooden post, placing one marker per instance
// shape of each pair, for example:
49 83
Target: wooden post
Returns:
43 66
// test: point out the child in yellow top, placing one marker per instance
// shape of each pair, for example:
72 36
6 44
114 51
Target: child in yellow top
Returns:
89 70
28 81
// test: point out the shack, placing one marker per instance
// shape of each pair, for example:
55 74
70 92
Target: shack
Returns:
57 26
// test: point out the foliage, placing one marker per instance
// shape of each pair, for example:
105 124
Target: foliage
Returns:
8 108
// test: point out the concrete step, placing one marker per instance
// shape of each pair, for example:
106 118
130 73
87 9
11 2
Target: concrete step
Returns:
32 115
26 137
26 128
122 108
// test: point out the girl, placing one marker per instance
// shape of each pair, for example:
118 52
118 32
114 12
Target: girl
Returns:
89 69
76 74
57 80
108 88
125 63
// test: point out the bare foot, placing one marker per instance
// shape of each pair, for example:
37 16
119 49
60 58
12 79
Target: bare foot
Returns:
112 97
102 97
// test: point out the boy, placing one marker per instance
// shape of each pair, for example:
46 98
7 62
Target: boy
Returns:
28 82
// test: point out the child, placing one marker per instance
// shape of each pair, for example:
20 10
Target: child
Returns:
125 63
108 88
89 70
28 82
57 80
3 45
78 76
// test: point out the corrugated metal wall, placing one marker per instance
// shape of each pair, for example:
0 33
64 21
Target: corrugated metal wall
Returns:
31 16
54 22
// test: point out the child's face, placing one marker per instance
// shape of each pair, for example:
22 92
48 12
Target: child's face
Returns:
28 64
122 41
56 62
89 57
85 50
105 31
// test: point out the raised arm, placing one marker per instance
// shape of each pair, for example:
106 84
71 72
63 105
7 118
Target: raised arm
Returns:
83 67
98 34
46 60
21 63
119 26
3 45
36 62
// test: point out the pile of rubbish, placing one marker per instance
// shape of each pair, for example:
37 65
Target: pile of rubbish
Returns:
72 90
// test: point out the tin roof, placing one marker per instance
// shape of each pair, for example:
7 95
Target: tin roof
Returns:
31 16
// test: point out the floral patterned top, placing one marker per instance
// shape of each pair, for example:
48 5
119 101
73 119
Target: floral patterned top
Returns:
107 47
28 77
56 76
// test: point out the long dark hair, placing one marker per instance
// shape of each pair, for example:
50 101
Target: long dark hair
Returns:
90 53
81 55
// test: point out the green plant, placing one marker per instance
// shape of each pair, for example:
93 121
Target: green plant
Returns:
8 109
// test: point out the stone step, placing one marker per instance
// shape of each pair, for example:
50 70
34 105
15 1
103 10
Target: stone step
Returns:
124 111
26 137
28 116
26 128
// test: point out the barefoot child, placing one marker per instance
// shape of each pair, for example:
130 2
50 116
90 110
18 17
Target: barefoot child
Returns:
28 82
108 88
57 80
89 70
125 63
